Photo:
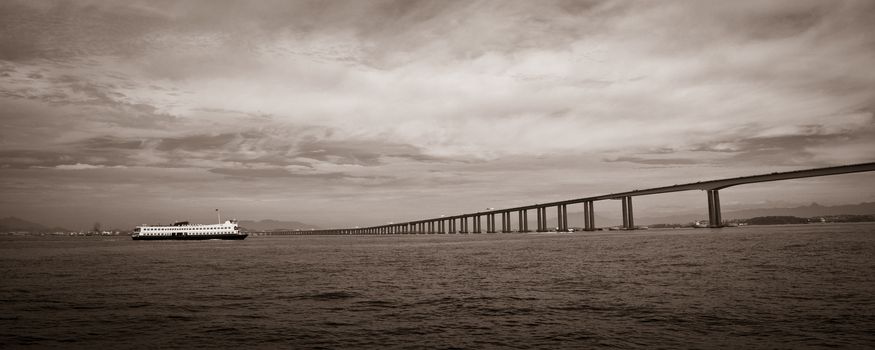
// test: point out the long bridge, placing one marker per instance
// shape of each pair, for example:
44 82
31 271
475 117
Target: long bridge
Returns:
460 223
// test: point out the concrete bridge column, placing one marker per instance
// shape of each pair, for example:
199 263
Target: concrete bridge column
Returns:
463 224
591 212
442 226
562 217
544 227
715 220
544 217
490 223
520 220
628 218
524 220
477 223
538 214
542 213
587 215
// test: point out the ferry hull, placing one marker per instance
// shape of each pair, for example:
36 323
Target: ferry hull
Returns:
235 237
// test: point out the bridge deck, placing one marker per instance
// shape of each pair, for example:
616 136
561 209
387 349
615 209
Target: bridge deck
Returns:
701 185
711 186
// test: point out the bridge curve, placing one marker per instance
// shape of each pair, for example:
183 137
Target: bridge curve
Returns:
447 224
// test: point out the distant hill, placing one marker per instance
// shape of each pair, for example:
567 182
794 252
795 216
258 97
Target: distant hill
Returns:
14 224
812 210
274 225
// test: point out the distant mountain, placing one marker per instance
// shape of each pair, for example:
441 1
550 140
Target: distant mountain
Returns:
274 225
812 210
14 224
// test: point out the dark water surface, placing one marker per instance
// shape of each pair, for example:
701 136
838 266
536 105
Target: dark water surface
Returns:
807 286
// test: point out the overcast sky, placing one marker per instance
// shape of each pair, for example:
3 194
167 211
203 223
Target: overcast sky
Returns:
363 112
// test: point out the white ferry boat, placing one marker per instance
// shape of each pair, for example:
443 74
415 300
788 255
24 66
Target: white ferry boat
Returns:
183 230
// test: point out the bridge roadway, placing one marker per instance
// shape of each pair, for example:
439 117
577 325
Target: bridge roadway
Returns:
448 224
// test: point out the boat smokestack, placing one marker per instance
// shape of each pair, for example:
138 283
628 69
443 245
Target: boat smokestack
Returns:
219 215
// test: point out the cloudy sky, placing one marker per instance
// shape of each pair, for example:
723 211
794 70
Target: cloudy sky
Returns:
364 112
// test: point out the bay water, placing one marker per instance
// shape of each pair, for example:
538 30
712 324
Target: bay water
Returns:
802 286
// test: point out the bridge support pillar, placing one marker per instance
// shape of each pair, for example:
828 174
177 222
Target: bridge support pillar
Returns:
538 217
526 220
477 223
521 220
715 220
628 218
562 217
588 216
542 219
490 223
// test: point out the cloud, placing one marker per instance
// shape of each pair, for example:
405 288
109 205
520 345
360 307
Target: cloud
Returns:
80 166
274 172
396 99
656 161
